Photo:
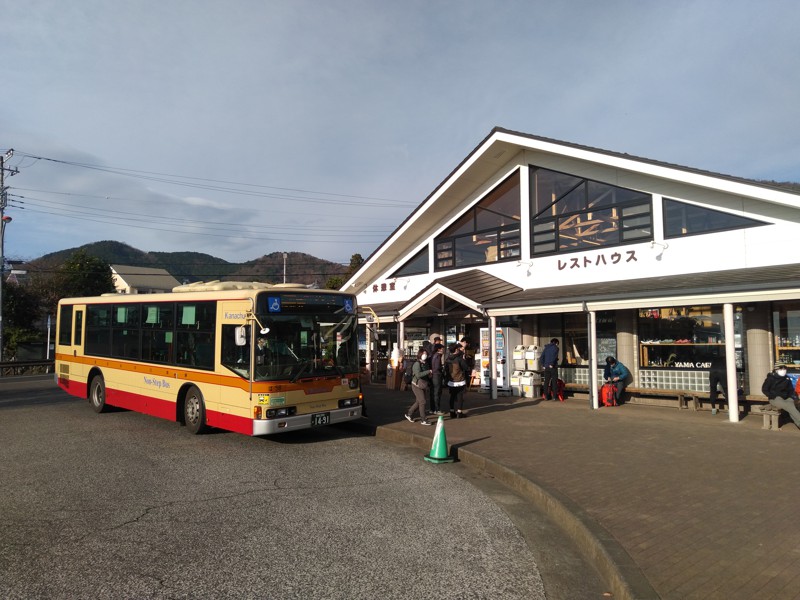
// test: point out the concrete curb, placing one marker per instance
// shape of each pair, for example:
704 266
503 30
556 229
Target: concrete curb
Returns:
598 546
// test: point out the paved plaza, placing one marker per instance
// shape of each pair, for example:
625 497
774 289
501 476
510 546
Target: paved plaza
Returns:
666 503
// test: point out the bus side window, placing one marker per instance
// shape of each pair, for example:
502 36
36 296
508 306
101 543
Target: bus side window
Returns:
65 326
78 336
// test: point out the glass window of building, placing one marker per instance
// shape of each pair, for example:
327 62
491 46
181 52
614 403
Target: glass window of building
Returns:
488 232
682 219
684 337
786 328
570 213
576 348
416 265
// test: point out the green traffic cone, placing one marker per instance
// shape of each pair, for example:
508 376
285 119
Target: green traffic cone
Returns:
438 452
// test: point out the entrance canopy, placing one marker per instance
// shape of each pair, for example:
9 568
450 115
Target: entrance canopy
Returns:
461 293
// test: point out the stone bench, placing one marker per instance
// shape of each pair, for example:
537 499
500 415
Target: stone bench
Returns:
770 414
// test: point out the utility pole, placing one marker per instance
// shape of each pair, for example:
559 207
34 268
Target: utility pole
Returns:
3 221
284 267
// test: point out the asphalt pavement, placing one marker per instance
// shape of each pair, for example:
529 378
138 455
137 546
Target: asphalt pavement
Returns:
664 503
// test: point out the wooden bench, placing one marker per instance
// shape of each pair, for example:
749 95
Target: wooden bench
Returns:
756 404
680 395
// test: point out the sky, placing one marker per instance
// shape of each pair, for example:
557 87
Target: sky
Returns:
248 127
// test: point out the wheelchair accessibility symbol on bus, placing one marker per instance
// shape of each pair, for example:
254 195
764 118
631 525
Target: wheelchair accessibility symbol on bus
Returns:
274 304
348 306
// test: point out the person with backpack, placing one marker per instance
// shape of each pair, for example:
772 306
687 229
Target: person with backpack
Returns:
616 374
419 385
457 370
780 392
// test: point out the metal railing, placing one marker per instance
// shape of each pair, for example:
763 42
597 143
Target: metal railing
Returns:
15 368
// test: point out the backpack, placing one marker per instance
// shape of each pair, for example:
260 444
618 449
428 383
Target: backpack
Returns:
408 374
454 371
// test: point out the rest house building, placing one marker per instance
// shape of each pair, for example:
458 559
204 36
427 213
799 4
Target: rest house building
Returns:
664 267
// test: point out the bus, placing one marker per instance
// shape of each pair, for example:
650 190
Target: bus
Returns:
253 358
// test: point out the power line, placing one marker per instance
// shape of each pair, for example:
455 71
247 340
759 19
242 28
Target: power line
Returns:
196 226
345 235
271 211
138 216
336 198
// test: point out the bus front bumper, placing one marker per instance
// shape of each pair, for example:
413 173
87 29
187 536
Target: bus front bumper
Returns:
340 415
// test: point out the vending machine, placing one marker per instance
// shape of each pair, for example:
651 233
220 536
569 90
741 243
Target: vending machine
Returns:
506 340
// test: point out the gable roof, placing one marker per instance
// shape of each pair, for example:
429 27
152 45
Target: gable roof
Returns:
471 289
145 277
496 151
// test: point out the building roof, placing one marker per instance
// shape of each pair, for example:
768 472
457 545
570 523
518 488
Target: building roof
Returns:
496 152
145 278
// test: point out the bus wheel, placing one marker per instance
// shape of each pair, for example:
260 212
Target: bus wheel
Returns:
194 411
97 394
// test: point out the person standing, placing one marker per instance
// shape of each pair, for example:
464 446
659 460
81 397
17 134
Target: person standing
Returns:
457 370
549 363
469 358
717 375
437 374
419 385
778 388
430 348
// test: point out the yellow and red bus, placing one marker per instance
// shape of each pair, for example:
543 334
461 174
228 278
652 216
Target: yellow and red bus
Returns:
247 357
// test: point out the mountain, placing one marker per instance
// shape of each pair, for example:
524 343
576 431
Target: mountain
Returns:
196 266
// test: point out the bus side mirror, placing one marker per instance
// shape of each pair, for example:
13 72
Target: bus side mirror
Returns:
241 336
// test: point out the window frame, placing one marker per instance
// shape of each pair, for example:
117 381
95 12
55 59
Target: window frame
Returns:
550 233
455 251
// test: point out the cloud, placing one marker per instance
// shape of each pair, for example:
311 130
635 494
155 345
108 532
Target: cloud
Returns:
317 127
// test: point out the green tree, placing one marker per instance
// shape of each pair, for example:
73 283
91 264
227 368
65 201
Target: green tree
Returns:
21 312
84 275
334 283
355 263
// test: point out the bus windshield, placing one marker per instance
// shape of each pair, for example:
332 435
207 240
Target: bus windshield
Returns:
307 335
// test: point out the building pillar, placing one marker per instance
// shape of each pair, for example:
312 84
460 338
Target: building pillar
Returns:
594 397
759 358
492 358
627 346
730 363
369 337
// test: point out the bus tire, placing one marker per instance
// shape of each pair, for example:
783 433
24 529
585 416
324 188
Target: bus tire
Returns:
194 411
97 394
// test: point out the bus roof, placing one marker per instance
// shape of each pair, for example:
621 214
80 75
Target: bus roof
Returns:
223 290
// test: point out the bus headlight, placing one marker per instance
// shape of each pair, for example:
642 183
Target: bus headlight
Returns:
281 413
345 402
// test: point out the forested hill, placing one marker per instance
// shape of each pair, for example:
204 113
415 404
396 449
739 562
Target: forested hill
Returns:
196 266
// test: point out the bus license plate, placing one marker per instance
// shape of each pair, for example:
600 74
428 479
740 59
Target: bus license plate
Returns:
320 419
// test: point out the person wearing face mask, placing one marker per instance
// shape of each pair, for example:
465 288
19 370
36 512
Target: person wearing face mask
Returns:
778 388
419 385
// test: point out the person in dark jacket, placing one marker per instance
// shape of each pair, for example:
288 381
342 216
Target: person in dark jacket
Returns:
617 373
437 374
457 370
717 375
549 363
778 388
